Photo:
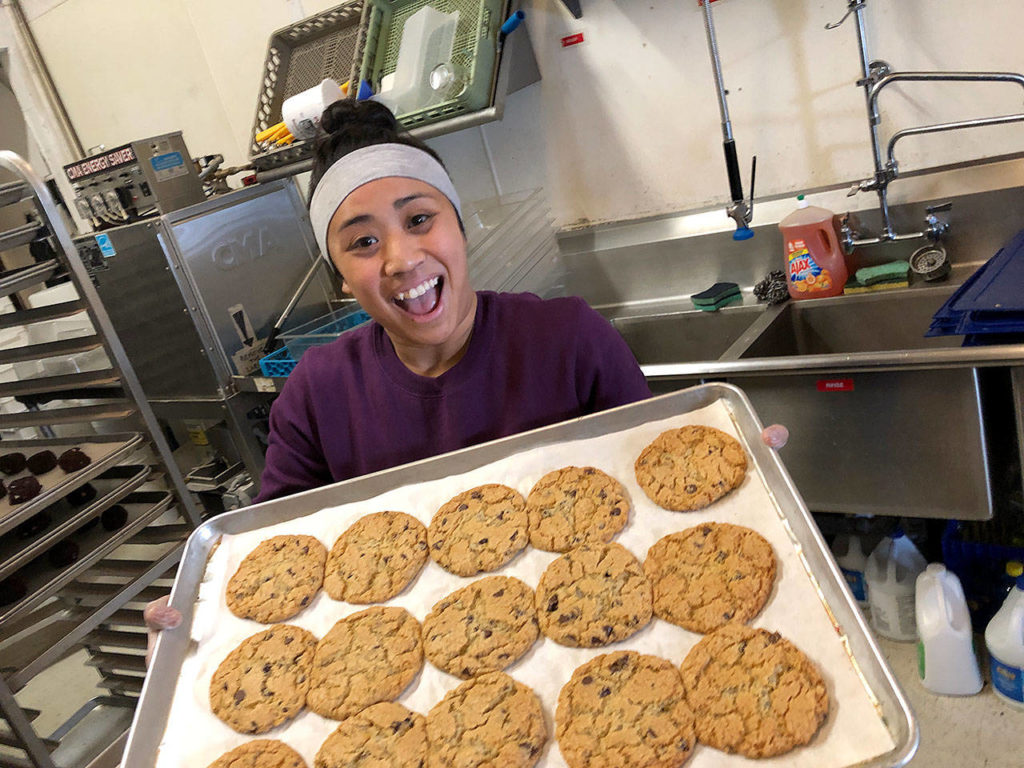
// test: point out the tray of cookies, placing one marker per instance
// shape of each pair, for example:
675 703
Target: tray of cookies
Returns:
643 586
36 473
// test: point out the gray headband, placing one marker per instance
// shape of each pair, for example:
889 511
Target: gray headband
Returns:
362 166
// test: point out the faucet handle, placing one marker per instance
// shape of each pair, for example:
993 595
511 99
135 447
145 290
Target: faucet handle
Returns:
939 207
935 227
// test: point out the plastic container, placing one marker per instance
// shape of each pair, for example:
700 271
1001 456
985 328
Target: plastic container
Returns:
848 549
815 265
891 576
946 662
427 40
1004 638
303 111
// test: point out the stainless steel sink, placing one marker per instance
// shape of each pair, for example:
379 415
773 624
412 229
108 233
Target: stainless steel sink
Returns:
685 336
850 324
884 420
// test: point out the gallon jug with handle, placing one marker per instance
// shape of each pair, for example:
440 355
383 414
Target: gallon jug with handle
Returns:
1004 638
815 265
891 576
946 662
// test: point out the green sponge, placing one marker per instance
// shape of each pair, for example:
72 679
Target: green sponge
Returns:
884 273
716 297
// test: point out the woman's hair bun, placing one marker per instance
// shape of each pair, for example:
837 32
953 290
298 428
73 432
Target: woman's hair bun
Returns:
359 119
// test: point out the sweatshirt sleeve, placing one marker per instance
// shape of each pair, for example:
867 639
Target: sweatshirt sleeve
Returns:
607 372
295 461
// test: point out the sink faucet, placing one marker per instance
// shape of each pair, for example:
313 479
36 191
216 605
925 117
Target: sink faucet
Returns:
877 75
740 210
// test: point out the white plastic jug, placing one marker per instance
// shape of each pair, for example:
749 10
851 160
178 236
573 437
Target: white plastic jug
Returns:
946 662
849 552
891 574
1004 638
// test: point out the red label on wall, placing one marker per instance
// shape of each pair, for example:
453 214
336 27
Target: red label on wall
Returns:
835 385
572 39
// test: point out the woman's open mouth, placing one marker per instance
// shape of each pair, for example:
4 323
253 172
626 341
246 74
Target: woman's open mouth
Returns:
421 299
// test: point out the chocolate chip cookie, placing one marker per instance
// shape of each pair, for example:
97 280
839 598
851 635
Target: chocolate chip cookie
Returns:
386 734
593 595
623 709
479 530
263 682
754 692
490 720
710 575
376 558
573 506
368 657
481 628
689 468
279 578
261 753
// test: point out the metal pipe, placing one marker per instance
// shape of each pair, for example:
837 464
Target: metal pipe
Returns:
716 64
939 127
38 65
942 77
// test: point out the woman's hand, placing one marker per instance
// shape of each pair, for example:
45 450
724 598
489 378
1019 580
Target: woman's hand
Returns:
158 615
775 436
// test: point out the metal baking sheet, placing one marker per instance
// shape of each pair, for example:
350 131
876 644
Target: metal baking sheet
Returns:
830 609
104 450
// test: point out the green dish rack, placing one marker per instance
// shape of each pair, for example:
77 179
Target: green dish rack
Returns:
474 50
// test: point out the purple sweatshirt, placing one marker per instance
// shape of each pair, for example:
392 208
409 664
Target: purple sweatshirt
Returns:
352 407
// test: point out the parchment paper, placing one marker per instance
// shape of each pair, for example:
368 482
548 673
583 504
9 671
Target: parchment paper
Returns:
852 733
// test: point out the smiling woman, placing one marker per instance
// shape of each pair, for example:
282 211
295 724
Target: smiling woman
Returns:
442 366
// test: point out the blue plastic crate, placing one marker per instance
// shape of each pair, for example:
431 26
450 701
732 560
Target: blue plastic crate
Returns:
323 330
981 568
278 363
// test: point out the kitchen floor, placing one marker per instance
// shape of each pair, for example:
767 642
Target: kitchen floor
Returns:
957 731
60 691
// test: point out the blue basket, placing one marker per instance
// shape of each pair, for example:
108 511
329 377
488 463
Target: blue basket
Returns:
297 341
278 364
981 568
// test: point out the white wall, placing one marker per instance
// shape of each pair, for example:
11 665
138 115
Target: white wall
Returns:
625 126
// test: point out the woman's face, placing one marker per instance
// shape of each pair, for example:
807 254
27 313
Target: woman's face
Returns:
402 255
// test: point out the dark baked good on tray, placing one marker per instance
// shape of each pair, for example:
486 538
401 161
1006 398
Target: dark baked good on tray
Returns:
114 518
42 462
12 463
62 553
82 495
23 489
12 589
73 460
32 526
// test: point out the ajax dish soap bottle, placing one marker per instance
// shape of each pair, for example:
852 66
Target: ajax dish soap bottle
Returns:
891 574
815 265
945 651
1004 638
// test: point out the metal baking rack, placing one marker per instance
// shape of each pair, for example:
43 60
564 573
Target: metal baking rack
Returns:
93 602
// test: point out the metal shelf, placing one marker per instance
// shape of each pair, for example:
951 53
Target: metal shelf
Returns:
66 386
44 581
42 314
78 625
14 192
23 235
113 486
104 451
71 415
19 279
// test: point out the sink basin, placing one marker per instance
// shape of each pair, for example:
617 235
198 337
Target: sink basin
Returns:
681 337
879 322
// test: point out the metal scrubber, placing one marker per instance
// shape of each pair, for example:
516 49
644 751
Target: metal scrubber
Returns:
772 288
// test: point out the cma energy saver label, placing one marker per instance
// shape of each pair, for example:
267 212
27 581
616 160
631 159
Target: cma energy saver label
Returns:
806 275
